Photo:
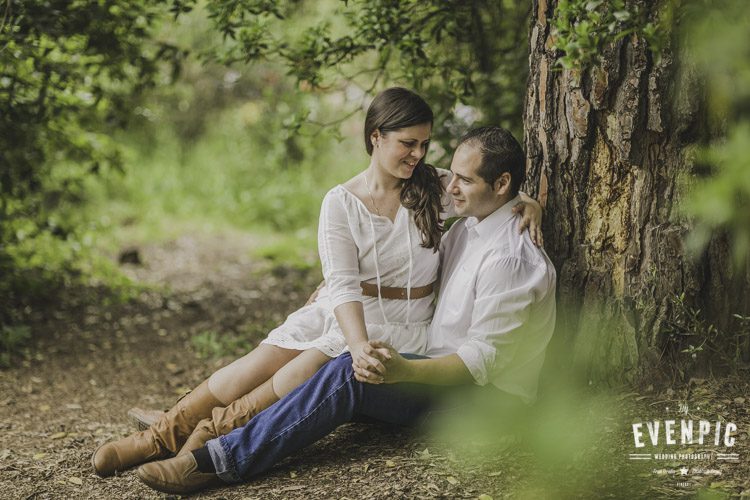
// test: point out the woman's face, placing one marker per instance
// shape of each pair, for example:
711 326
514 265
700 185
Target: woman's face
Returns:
398 152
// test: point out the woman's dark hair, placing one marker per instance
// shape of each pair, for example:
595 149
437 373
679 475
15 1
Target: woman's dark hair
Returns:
393 109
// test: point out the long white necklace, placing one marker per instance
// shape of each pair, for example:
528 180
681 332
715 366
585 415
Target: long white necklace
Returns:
372 198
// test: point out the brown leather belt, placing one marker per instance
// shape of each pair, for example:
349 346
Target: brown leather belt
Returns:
392 292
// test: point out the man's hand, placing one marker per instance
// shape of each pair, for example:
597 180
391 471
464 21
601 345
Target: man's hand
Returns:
396 366
368 362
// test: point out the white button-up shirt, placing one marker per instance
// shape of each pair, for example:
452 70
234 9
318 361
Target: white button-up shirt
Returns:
496 307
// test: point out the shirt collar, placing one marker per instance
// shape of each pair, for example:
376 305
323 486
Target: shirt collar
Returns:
492 222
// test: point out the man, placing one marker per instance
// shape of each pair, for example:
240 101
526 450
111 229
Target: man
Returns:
494 318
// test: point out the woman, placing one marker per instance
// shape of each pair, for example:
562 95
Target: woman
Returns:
378 239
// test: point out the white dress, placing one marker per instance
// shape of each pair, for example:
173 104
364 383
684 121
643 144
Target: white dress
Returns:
356 245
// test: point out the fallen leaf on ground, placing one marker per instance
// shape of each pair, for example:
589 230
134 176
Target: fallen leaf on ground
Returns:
452 480
58 435
292 474
174 369
484 496
39 456
73 406
75 480
390 463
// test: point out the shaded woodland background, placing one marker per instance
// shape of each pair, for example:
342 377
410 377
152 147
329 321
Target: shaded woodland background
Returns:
124 125
135 118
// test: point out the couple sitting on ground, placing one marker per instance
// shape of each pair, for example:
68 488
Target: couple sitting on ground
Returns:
338 359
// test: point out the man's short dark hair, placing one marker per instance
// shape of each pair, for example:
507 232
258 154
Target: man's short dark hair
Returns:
500 153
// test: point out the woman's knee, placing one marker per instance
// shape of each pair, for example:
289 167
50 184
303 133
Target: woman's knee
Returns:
248 372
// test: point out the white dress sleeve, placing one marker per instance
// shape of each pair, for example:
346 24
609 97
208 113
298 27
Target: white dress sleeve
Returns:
446 202
338 252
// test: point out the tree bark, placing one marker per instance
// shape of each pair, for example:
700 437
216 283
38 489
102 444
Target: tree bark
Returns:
608 150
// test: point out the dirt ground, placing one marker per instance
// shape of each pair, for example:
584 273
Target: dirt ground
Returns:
92 360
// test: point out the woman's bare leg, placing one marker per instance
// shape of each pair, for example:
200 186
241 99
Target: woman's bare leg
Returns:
297 371
240 411
248 372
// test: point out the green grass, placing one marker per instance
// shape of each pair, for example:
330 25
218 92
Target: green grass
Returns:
244 173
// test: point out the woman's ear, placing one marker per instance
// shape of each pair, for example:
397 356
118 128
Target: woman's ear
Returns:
375 138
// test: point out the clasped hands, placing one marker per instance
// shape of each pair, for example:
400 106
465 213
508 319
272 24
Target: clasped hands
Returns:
376 362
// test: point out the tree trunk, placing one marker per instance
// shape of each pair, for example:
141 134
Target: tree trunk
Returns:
607 149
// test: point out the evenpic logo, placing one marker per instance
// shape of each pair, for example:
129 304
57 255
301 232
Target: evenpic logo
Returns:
681 440
686 433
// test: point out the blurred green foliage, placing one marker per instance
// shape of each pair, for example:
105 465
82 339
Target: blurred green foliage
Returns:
227 146
572 443
67 71
717 41
12 339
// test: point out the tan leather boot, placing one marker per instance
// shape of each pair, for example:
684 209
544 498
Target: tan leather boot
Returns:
224 420
165 436
179 475
143 419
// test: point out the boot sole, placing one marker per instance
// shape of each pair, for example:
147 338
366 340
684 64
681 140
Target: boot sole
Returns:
158 485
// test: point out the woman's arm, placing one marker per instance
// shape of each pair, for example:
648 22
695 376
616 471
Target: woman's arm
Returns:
449 210
531 212
351 318
338 257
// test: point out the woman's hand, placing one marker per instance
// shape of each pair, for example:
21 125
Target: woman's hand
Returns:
531 213
397 367
367 362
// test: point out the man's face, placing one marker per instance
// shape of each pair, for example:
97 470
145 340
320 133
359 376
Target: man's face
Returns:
472 196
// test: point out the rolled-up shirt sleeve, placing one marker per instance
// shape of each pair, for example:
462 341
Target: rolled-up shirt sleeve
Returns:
505 291
338 252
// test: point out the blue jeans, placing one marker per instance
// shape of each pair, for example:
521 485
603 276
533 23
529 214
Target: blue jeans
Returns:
330 398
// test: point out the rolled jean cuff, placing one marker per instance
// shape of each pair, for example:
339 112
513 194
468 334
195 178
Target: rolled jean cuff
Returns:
222 461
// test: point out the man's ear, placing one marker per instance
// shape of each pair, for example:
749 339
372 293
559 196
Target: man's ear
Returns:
502 184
